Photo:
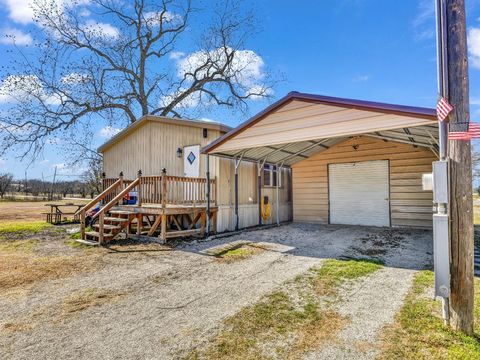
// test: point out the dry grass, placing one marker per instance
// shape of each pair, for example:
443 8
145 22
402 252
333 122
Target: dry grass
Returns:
275 327
288 323
20 269
476 215
13 211
87 298
238 254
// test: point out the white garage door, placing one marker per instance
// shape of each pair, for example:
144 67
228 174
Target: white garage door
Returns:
359 193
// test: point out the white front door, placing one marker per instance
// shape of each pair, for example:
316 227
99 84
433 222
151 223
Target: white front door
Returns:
359 193
191 161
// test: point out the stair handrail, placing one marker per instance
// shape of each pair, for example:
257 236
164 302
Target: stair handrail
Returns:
117 198
104 209
99 197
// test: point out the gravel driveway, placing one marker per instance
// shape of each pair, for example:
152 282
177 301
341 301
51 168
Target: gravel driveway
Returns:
157 304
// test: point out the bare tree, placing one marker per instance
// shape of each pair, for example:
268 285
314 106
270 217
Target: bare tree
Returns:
114 61
93 177
5 183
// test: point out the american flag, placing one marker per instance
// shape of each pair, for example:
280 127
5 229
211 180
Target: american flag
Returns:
443 109
473 132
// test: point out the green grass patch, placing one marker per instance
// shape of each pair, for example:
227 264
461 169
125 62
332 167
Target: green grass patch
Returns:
239 253
23 226
333 272
419 332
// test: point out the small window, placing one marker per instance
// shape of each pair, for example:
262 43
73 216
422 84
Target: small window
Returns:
270 176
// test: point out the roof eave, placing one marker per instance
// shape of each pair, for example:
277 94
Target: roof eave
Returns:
426 113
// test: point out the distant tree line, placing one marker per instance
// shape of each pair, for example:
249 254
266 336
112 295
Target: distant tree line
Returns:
88 185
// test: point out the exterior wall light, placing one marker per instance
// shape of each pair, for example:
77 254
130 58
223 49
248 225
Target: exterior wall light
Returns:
179 152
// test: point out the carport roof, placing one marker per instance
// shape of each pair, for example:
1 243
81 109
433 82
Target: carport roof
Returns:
287 136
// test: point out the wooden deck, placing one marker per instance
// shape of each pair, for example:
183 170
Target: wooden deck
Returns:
166 206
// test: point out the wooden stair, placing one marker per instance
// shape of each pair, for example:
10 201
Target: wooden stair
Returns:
114 223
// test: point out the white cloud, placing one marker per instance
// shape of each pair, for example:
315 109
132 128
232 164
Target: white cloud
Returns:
361 78
153 18
44 162
176 55
190 101
108 131
257 92
474 46
12 36
423 23
246 66
21 11
101 30
24 88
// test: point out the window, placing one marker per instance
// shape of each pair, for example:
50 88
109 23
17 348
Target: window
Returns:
270 176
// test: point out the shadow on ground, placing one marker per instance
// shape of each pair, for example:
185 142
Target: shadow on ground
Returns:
402 248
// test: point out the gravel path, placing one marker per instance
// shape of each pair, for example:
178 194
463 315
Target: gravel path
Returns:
166 302
172 303
370 303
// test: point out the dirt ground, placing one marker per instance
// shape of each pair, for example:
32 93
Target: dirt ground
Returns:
151 301
30 210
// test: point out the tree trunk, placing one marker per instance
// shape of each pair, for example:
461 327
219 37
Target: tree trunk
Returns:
459 152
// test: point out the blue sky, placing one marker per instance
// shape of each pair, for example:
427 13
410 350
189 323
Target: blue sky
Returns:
364 49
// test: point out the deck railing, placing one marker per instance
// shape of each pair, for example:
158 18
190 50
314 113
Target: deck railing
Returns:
176 190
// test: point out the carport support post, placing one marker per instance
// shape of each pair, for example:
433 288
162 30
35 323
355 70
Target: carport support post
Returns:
277 203
207 193
455 60
259 185
237 163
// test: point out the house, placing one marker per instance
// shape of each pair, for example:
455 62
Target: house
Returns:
154 144
353 162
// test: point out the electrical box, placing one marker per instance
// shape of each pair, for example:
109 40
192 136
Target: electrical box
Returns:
441 255
440 182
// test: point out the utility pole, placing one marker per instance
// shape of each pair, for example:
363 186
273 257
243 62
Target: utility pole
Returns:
455 59
53 183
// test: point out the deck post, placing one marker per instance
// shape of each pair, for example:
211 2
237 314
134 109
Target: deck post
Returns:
100 227
139 190
259 185
82 224
164 188
207 194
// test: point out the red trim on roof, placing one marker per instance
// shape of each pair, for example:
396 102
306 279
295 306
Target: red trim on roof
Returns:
420 112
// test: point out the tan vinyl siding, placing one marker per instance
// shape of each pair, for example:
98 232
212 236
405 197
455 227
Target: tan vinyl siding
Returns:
303 121
152 147
409 204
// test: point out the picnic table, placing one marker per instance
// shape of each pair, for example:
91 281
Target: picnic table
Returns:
58 213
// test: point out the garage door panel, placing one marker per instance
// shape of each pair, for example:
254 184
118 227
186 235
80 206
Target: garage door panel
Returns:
359 193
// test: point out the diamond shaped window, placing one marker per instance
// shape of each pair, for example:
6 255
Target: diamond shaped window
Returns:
191 158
